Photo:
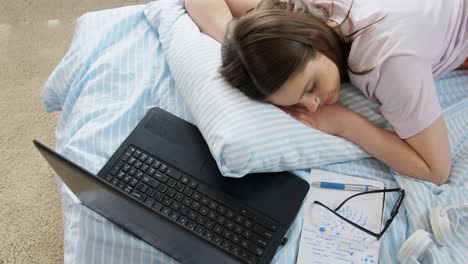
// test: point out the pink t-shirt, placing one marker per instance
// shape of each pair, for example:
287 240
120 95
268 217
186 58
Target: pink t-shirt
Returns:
416 42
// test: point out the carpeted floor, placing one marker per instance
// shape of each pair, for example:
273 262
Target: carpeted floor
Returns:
34 36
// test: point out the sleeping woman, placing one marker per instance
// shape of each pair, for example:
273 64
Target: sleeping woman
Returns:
295 54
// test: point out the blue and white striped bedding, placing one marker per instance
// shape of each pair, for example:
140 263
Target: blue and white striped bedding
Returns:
116 70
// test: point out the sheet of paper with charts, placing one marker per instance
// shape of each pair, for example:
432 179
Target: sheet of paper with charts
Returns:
326 238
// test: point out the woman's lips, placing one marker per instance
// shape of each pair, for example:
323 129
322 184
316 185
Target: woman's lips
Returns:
324 101
330 99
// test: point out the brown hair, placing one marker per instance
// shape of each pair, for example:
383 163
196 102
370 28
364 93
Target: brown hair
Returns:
267 45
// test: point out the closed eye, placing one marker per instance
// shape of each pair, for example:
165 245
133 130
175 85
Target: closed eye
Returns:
312 89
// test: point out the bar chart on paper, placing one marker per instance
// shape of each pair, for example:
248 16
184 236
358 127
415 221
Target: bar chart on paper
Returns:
326 238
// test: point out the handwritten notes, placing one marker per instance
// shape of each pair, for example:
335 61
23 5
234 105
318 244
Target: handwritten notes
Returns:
325 238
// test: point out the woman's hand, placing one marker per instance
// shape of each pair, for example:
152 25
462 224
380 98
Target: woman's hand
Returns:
330 119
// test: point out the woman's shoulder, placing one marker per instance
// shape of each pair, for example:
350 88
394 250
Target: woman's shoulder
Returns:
423 29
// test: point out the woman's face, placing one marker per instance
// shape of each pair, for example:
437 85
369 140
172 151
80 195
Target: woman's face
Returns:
317 84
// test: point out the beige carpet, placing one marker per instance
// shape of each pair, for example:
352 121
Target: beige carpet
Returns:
34 36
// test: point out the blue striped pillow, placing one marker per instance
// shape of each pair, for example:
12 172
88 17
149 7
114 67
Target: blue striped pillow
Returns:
243 135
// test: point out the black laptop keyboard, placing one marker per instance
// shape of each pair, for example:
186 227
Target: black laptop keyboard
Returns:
192 205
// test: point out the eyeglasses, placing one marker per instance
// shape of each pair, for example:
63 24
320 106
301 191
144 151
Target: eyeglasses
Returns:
393 213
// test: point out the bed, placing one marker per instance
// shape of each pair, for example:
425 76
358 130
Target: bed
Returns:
117 68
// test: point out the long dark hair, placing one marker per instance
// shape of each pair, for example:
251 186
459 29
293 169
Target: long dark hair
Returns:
267 45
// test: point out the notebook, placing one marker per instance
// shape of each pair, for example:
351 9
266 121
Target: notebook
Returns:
325 238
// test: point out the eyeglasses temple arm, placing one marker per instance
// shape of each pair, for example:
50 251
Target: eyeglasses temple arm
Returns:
369 192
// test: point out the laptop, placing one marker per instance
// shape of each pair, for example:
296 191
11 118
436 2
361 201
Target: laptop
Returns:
163 186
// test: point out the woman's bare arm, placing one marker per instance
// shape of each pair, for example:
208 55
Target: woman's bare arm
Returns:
425 156
212 16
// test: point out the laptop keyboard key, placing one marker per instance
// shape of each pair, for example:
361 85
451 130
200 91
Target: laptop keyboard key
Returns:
144 168
188 191
150 181
195 206
133 182
260 241
209 224
156 164
151 171
149 202
161 177
208 234
273 227
263 231
150 192
171 183
196 195
170 193
139 195
235 238
163 168
200 219
131 161
136 154
230 214
248 224
167 201
115 182
128 189
126 156
174 216
229 224
182 220
217 239
179 197
185 179
213 205
127 178
162 188
193 184
159 196
226 244
166 210
126 167
116 168
184 210
200 230
191 225
192 214
108 178
142 187
149 161
221 209
137 164
247 234
204 200
256 250
173 173
187 201
139 174
157 206
238 219
179 187
175 205
143 157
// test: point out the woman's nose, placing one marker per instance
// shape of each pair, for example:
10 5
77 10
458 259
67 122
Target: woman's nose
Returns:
311 102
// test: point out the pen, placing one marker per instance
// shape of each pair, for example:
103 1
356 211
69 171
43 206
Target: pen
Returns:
345 186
